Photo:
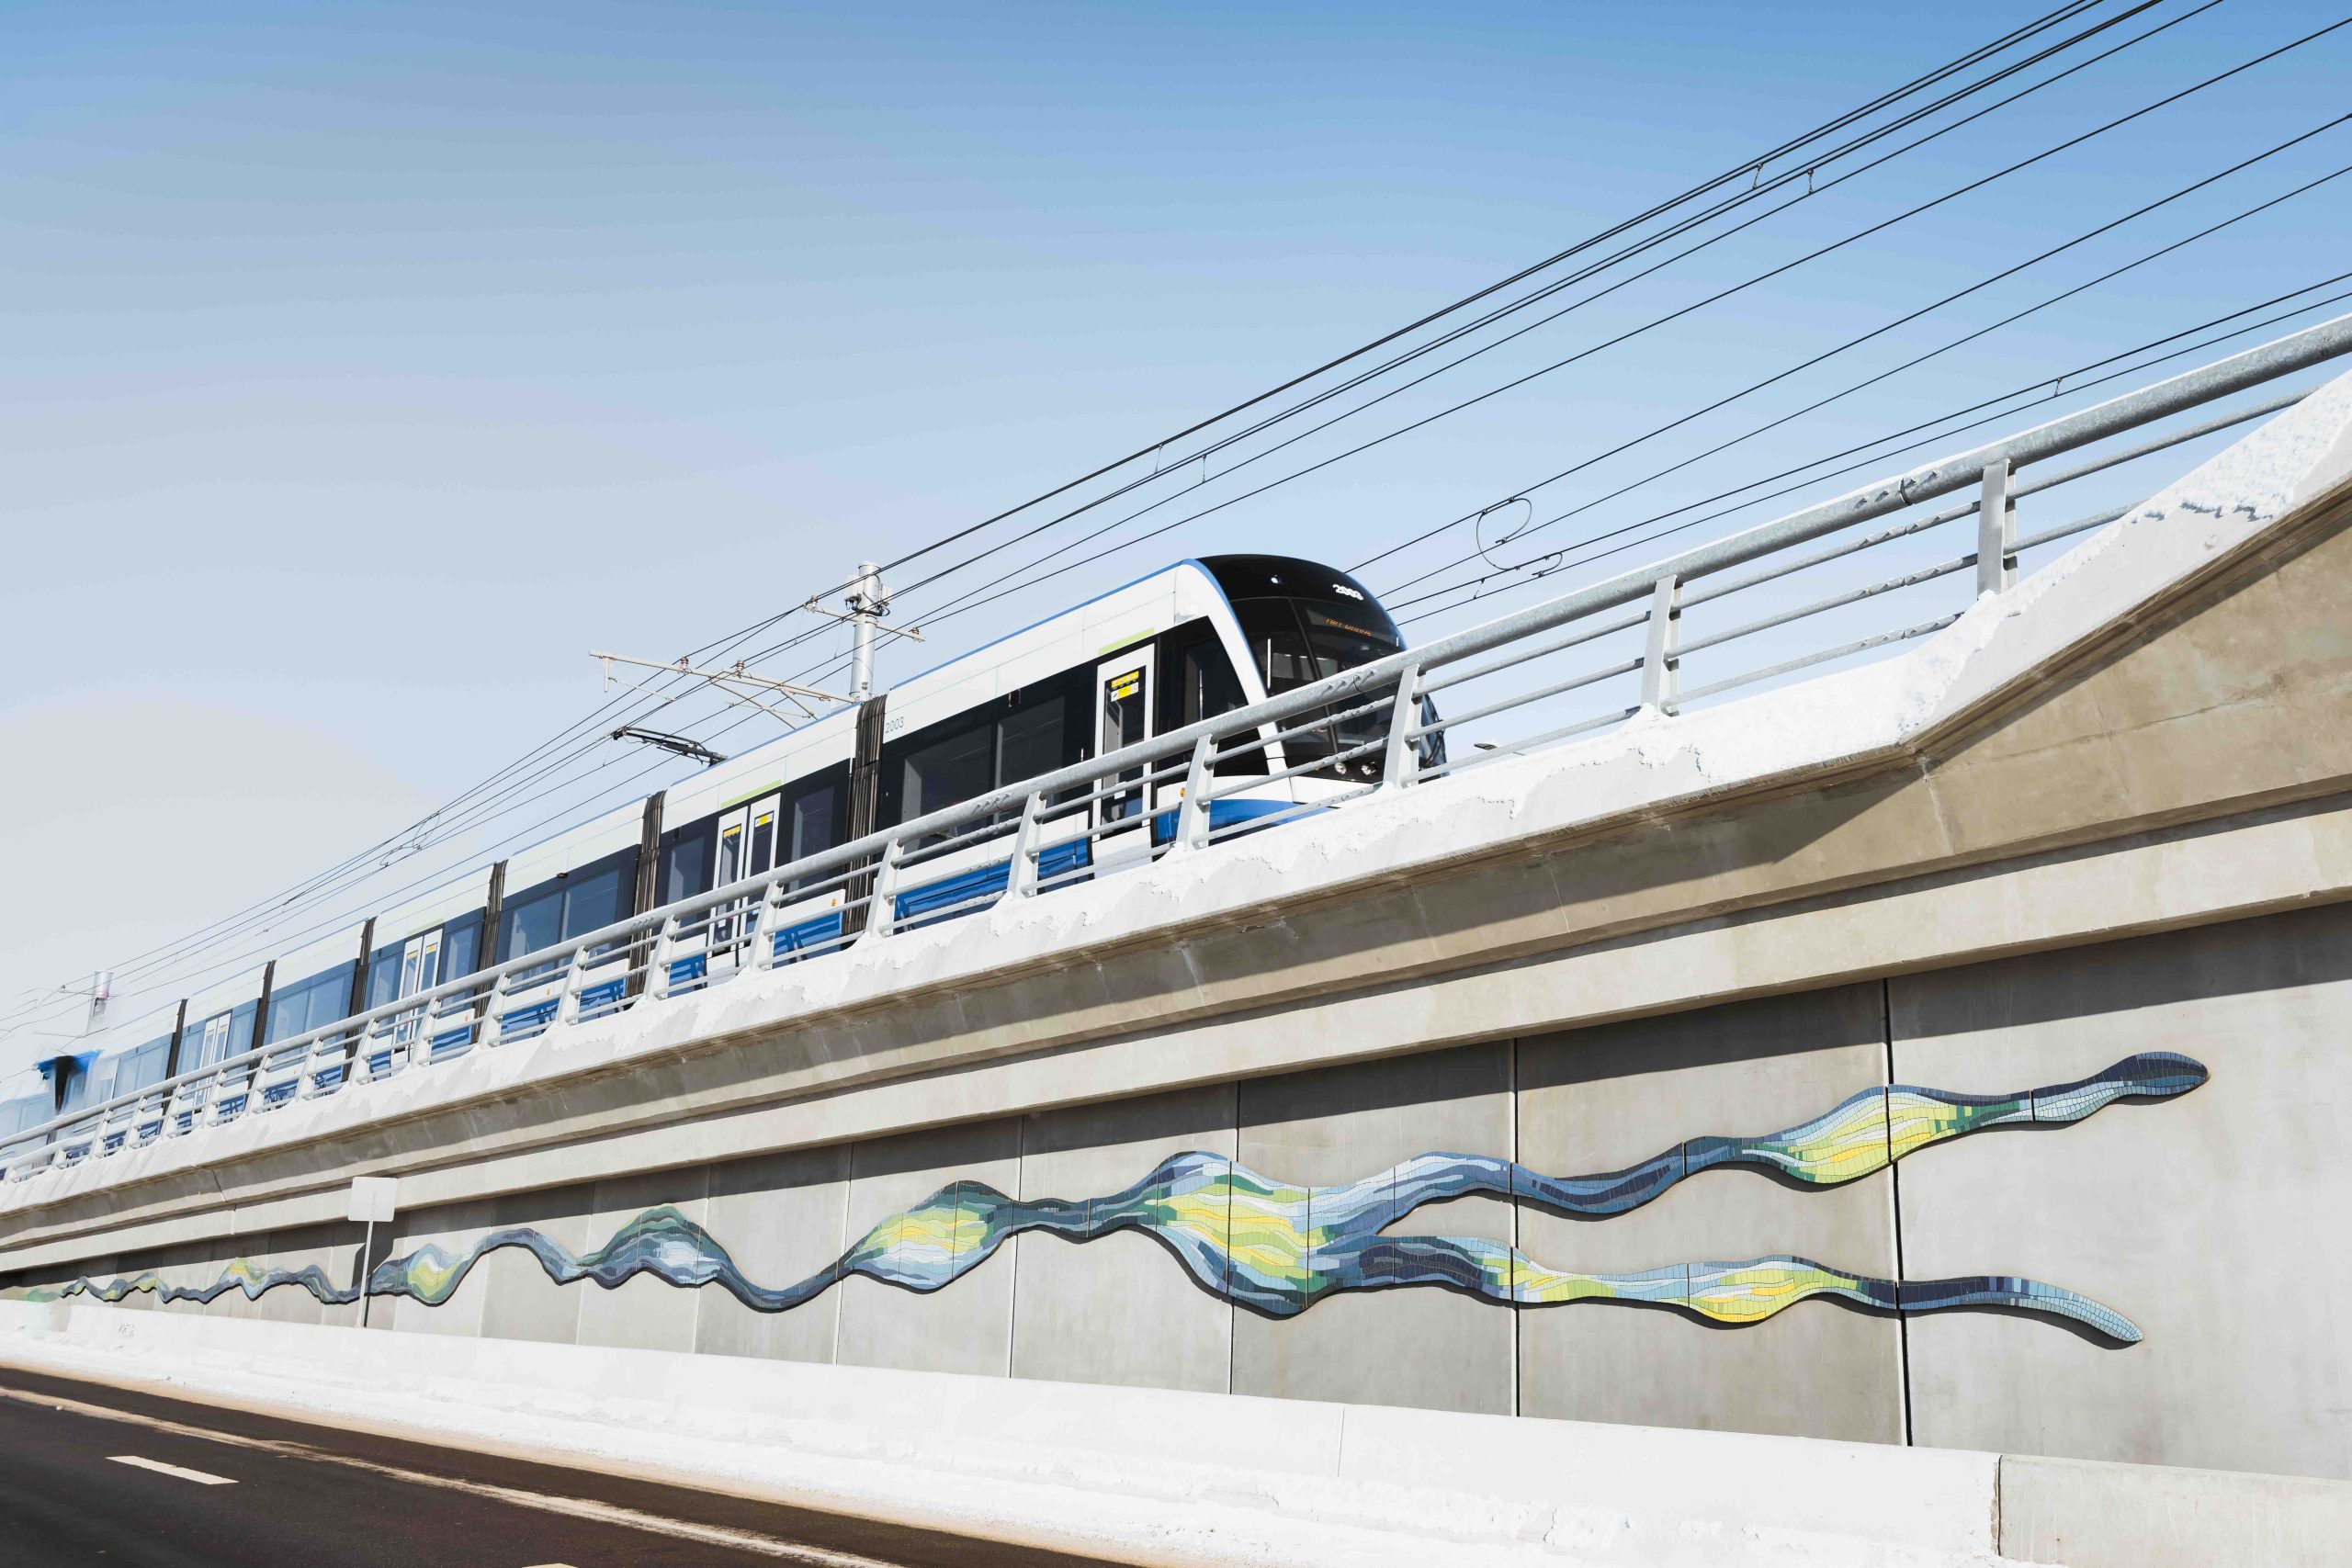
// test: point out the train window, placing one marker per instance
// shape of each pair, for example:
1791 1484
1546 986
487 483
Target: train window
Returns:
85 1085
685 862
394 970
30 1111
531 922
1294 642
594 901
1030 741
1342 637
461 946
1198 681
950 769
728 867
1277 649
1037 729
762 839
812 821
308 1004
812 824
421 961
144 1066
218 1038
384 974
124 1072
581 900
1206 682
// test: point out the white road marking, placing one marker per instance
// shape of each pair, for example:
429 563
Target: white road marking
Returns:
160 1468
574 1507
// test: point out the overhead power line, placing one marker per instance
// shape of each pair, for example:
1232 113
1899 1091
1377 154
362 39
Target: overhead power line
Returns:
1750 166
1029 575
1183 462
1978 286
1878 450
501 792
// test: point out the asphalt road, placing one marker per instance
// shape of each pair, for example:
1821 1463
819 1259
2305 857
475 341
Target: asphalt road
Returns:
95 1474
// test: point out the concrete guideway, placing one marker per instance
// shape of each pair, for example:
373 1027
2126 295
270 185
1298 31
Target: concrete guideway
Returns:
341 1499
1157 979
2107 812
1050 1470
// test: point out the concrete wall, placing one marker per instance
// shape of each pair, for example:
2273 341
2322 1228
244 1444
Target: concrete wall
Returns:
1603 1099
1576 1004
2216 1221
1427 1347
2207 1220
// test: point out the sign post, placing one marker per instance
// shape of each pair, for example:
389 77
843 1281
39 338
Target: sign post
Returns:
373 1198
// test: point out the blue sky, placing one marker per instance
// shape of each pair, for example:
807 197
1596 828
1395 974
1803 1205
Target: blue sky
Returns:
367 366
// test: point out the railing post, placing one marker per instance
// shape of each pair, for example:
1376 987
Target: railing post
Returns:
1997 530
1400 764
1192 810
1020 871
492 1027
878 915
657 959
1661 667
567 1006
765 923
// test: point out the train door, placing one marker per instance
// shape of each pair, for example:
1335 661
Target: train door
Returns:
746 848
214 1046
420 971
1125 685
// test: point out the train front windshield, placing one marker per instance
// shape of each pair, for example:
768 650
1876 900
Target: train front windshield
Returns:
1304 623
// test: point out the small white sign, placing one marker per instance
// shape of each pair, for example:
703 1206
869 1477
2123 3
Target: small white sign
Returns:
373 1197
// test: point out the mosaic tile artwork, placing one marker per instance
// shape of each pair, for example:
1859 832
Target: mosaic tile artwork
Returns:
1278 1250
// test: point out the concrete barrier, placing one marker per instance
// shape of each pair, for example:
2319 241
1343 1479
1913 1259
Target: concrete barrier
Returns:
1209 1468
2087 1515
1596 1493
1165 1477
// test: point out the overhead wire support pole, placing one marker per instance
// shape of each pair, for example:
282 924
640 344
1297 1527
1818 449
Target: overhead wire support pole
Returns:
868 603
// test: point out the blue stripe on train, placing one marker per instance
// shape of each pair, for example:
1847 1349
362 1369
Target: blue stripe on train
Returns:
521 1018
595 998
984 882
1059 860
825 931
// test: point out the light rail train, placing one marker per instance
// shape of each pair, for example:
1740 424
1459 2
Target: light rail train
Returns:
1187 643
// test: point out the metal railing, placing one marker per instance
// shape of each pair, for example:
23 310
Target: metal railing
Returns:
1575 664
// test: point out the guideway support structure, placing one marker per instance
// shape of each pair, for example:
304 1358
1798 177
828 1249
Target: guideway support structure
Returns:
1941 1051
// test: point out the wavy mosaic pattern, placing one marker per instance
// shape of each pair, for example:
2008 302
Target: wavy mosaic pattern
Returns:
1278 1248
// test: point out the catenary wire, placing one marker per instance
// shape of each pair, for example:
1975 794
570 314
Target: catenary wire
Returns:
2004 406
1183 462
1880 331
445 817
982 594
